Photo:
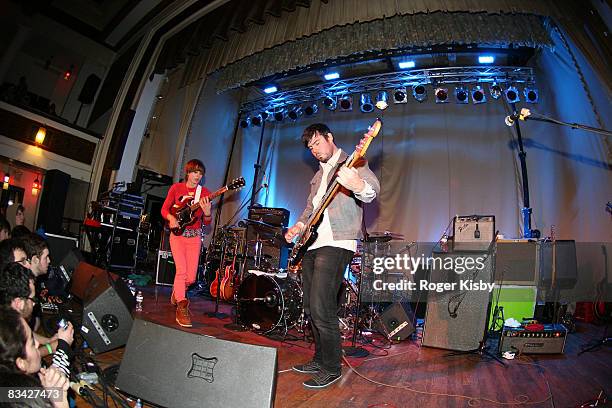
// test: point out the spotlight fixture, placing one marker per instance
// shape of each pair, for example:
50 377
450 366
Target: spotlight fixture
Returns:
295 113
244 123
486 59
400 96
311 109
495 90
419 92
365 103
279 115
270 89
256 120
406 64
382 100
331 75
264 115
346 103
330 102
512 95
441 95
478 95
531 95
461 95
40 135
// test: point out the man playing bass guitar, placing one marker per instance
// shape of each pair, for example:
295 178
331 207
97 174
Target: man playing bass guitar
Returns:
186 246
326 259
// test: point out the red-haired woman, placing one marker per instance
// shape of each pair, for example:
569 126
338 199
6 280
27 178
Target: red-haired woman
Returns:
186 247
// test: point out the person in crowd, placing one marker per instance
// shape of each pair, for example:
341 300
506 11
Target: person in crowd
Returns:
13 250
5 229
20 363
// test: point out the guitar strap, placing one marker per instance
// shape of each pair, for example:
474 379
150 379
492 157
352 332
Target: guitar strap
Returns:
197 194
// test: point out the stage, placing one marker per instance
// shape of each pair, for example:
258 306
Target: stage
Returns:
405 374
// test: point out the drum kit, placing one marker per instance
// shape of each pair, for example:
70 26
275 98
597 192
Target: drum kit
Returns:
269 298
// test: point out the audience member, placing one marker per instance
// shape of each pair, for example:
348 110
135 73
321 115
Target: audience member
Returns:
37 251
5 229
20 231
20 215
13 250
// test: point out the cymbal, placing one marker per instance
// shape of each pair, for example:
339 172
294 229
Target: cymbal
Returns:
260 223
383 237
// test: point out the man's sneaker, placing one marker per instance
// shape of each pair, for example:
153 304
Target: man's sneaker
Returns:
322 379
310 367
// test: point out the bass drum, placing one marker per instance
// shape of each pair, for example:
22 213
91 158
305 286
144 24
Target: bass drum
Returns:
267 302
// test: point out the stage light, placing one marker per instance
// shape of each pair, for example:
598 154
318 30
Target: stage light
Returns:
331 75
461 95
531 95
382 100
419 92
478 95
441 95
40 135
264 115
512 95
6 181
495 90
400 96
330 103
256 120
311 109
406 64
270 89
35 187
244 123
295 113
486 59
346 103
279 115
365 103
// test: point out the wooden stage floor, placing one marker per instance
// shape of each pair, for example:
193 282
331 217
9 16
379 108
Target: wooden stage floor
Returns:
408 375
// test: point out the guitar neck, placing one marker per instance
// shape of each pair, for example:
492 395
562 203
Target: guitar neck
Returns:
211 196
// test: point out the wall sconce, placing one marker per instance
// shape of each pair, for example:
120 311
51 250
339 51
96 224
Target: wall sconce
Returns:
40 135
35 187
6 182
68 72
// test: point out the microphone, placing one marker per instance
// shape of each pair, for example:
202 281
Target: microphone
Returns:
522 115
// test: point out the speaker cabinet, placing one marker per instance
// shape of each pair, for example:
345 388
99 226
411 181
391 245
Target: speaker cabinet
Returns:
82 278
173 368
563 270
52 201
123 252
455 319
107 313
165 268
264 248
88 92
516 262
396 322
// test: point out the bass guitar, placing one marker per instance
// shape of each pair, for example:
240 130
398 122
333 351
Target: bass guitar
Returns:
309 232
185 213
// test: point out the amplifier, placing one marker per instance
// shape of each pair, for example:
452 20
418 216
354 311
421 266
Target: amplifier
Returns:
273 216
473 232
165 268
550 340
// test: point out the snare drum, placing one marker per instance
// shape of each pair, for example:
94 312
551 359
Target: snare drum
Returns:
267 302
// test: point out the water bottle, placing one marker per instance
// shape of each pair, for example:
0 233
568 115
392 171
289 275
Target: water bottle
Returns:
132 287
138 403
139 299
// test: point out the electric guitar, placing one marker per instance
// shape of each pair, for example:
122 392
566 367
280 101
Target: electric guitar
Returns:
226 292
309 233
185 213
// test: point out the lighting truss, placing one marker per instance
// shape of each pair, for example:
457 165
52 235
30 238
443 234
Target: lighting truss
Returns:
379 82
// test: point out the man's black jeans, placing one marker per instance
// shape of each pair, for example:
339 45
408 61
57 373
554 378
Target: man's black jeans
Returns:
322 273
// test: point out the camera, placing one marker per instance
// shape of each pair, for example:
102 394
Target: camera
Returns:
62 324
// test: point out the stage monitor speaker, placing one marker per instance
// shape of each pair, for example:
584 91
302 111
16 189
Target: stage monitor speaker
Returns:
52 201
107 313
173 368
60 246
455 319
516 262
396 321
83 276
88 92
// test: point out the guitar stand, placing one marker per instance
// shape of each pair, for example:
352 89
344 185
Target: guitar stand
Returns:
604 341
217 314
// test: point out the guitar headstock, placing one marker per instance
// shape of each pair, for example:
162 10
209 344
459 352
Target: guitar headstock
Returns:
236 183
365 141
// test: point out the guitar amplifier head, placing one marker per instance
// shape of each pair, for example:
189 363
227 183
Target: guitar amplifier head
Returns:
473 232
274 216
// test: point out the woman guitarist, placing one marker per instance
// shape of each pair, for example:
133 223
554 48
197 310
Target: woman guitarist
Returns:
186 247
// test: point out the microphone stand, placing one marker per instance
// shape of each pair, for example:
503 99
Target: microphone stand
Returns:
542 118
526 210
